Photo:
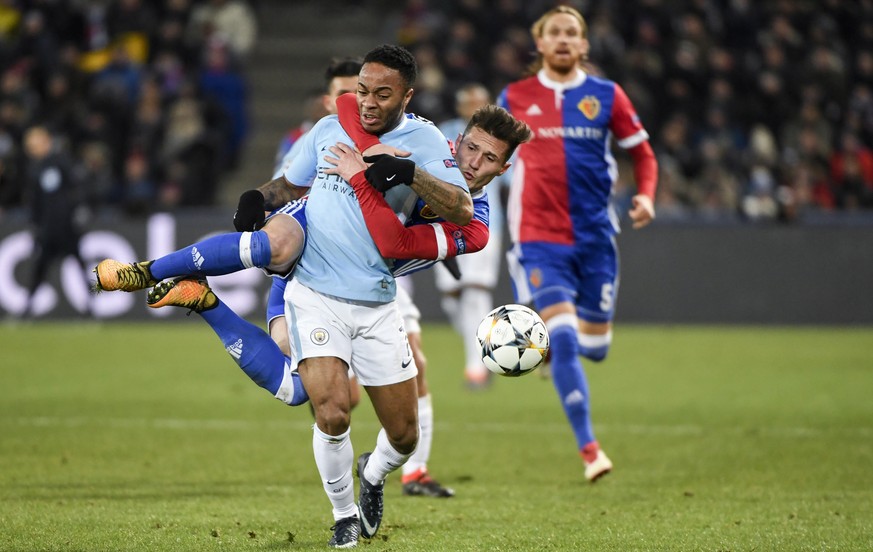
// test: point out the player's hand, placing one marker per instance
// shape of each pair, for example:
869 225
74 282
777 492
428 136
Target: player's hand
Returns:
385 149
642 211
387 171
348 161
451 264
249 215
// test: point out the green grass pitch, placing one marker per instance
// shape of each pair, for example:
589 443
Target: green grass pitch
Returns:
148 437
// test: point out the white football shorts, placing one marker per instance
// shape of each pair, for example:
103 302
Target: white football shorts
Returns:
409 313
480 269
368 336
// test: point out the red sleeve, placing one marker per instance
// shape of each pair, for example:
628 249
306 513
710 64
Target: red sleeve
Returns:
350 119
396 241
630 134
645 169
624 122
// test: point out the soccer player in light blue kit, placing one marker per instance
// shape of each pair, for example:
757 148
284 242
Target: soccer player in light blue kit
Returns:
340 303
347 316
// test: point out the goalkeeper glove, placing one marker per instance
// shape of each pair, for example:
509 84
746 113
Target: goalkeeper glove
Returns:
388 171
249 215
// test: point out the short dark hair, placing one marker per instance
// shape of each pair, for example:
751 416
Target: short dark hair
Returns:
341 67
397 58
500 124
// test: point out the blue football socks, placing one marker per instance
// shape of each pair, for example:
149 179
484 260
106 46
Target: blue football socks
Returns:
217 255
255 352
570 382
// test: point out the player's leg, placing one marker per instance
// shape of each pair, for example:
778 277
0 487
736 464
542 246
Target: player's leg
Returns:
43 255
252 349
596 263
275 247
544 275
415 478
276 323
277 326
382 360
475 302
320 328
396 406
468 300
594 339
598 292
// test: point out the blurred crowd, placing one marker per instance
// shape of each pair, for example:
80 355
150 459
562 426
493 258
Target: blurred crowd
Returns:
762 110
143 98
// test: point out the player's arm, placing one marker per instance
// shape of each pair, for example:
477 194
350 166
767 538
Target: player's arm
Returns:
435 241
279 191
253 205
646 175
447 200
626 126
450 202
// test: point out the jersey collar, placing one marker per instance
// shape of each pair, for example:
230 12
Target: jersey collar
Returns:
561 86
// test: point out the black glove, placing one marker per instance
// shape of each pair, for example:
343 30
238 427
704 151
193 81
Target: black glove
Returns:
249 214
388 171
451 265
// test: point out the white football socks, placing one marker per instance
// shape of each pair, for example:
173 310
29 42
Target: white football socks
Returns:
334 458
419 458
384 460
475 303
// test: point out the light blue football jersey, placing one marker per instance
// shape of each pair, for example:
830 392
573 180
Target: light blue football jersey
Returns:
340 258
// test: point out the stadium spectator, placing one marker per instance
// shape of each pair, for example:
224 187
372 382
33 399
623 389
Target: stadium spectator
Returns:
54 199
231 21
221 83
852 173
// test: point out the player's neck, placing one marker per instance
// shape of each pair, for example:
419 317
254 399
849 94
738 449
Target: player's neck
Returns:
393 125
560 75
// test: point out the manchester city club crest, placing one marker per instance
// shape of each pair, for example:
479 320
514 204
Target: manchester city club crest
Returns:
589 106
319 336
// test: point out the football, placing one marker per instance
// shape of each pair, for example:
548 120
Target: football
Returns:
513 339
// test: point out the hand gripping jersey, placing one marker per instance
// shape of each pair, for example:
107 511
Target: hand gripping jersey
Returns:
419 237
425 237
564 177
340 258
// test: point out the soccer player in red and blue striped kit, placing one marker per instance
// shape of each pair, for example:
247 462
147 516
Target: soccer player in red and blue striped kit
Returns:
562 225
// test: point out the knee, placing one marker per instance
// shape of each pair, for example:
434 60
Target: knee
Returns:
595 354
405 438
594 347
332 417
286 243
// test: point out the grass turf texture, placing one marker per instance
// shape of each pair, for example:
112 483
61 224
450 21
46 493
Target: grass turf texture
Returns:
148 437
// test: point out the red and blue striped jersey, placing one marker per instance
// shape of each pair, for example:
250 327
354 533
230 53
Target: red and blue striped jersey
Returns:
564 177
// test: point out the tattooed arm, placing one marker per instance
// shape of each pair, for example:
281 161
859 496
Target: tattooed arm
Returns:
451 202
279 191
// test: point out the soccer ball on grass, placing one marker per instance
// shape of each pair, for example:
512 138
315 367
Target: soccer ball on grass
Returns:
513 339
